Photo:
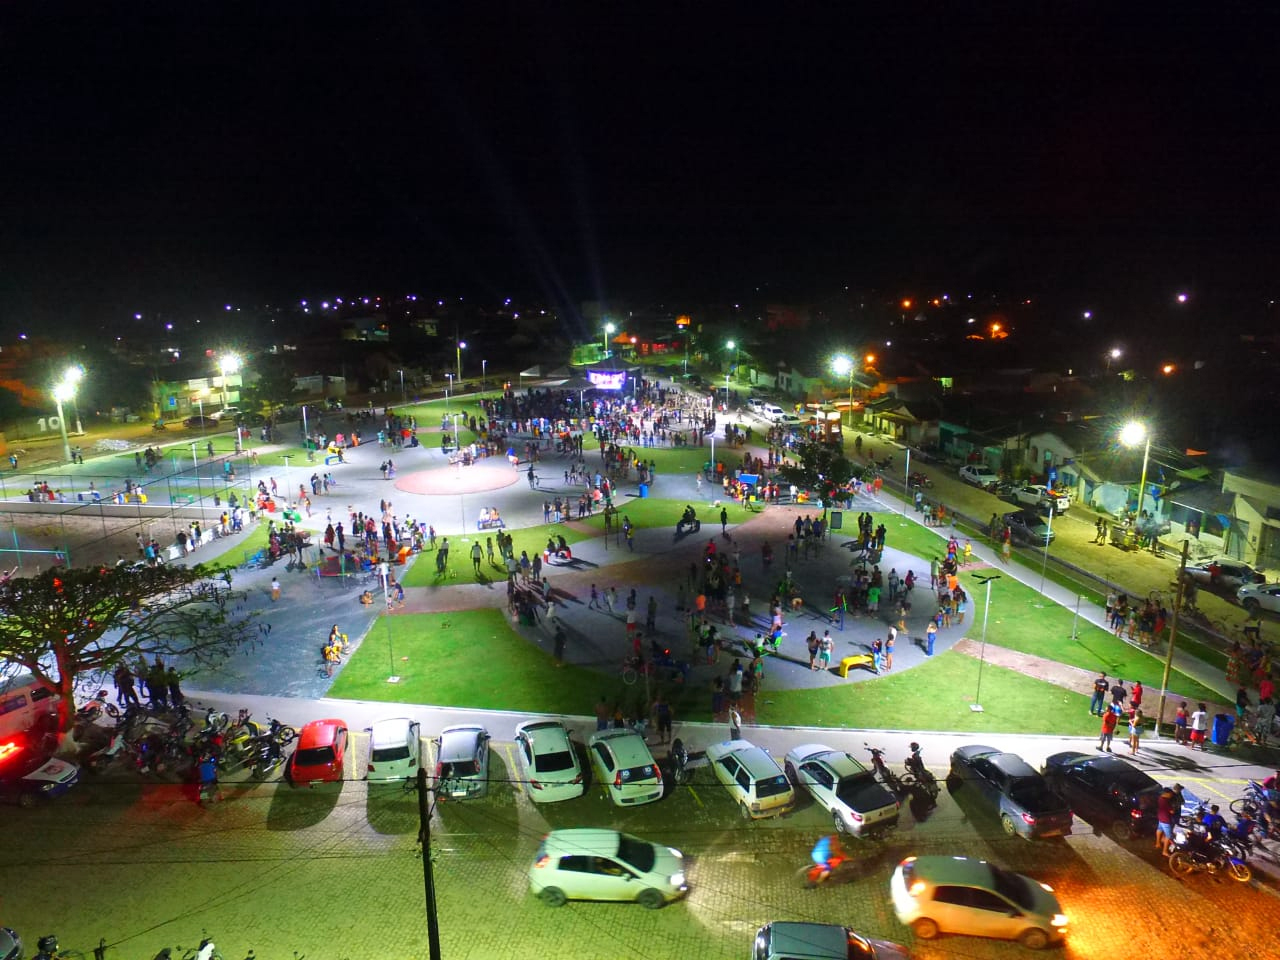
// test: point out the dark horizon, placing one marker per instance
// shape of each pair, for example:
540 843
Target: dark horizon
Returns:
174 163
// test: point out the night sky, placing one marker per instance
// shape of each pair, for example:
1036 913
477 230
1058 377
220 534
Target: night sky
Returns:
228 154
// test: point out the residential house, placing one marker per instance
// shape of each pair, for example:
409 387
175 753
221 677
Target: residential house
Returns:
1253 534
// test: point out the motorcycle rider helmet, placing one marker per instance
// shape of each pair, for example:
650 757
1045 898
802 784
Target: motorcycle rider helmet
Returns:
915 748
47 944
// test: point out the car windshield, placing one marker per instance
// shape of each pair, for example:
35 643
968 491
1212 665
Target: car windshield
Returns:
772 786
848 789
638 773
314 757
391 754
1013 886
554 762
637 853
459 768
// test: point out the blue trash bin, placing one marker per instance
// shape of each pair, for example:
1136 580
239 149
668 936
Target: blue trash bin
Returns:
644 490
1223 724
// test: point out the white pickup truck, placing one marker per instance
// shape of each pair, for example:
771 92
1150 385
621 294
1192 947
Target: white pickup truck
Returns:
842 786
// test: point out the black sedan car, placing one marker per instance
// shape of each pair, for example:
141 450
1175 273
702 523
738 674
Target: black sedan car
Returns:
1106 791
1013 788
198 421
1029 527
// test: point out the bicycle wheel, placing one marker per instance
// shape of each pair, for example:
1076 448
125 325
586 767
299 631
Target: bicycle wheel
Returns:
1245 806
629 675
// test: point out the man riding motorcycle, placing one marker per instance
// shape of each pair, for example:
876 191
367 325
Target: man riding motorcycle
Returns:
827 854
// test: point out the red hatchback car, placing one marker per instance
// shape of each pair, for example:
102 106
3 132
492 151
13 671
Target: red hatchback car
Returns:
322 749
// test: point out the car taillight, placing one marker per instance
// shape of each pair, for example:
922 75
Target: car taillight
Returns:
1029 819
1135 813
578 778
617 780
535 785
856 816
371 768
439 770
657 774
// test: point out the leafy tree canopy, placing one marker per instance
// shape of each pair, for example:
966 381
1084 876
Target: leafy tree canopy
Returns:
65 623
274 388
820 467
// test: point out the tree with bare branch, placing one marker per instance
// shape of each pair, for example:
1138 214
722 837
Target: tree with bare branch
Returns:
65 623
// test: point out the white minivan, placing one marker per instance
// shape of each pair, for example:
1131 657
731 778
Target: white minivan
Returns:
25 705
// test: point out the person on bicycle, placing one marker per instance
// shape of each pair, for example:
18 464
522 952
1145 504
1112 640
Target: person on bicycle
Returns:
828 854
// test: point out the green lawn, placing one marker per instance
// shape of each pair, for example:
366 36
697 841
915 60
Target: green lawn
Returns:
1023 620
532 539
474 659
935 696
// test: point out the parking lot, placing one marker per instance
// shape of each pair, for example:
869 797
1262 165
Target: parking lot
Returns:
335 872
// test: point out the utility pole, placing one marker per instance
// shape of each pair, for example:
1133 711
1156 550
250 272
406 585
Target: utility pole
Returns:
1173 632
428 874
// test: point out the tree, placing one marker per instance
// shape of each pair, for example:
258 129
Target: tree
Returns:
62 624
275 386
821 468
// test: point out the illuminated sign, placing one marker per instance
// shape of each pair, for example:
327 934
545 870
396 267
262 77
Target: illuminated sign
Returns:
607 379
683 320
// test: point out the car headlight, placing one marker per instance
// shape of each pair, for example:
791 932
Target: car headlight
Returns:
677 879
1059 920
675 853
46 787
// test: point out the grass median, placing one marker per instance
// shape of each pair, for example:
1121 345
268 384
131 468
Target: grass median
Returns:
475 659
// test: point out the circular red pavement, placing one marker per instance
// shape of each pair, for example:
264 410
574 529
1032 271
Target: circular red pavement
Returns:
493 474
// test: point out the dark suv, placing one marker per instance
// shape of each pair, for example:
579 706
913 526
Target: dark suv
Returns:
1106 791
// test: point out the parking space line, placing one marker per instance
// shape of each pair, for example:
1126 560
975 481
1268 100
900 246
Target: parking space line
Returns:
697 799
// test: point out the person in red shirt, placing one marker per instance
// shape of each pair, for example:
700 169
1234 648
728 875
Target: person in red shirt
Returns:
1108 730
1135 695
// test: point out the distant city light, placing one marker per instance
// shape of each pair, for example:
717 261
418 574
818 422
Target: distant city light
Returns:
168 326
137 316
227 307
1167 369
906 304
1088 314
304 303
1182 298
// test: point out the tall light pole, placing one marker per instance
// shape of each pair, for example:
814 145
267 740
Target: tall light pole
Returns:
1113 354
229 363
843 365
609 330
484 372
404 397
976 706
447 391
63 391
737 356
462 345
72 378
1133 434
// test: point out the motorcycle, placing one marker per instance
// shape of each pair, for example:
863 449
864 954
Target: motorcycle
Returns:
918 778
679 761
921 480
887 776
242 736
96 707
1193 851
267 755
158 427
117 747
206 951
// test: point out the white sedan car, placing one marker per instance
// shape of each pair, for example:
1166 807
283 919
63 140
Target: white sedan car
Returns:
844 788
394 749
548 764
1259 596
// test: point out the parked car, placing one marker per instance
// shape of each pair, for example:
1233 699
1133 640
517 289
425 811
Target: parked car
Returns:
979 475
10 944
934 895
394 748
199 421
320 754
1232 574
1106 791
842 786
1259 596
1041 497
548 763
228 413
28 776
591 864
622 762
820 941
1030 528
1012 788
462 762
755 404
754 780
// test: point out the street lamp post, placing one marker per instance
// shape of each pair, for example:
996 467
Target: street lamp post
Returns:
462 345
447 391
404 397
72 378
844 365
63 391
609 330
1112 354
484 372
1133 434
229 364
737 357
976 706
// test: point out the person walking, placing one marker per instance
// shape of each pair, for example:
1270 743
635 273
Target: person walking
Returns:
724 521
1166 803
559 642
888 647
662 716
824 651
173 680
477 554
1180 724
602 714
735 724
813 643
1118 693
1100 687
735 682
595 599
930 637
1109 720
1199 726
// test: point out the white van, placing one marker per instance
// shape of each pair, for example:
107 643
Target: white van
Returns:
24 705
773 412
